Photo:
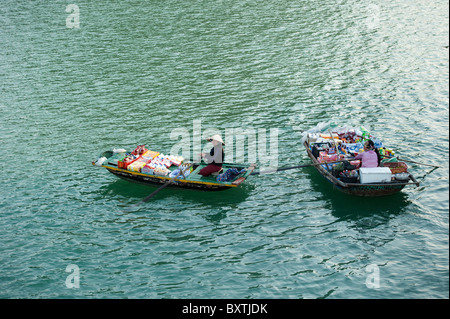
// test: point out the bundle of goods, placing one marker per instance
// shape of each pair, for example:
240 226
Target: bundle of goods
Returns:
168 160
155 167
396 167
230 174
136 166
162 160
344 167
329 155
161 170
126 161
183 169
329 143
349 176
149 155
334 144
147 169
140 149
176 160
146 161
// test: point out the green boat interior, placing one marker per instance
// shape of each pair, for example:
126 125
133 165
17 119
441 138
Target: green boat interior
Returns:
193 175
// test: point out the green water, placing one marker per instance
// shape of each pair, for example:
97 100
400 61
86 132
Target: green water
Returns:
134 71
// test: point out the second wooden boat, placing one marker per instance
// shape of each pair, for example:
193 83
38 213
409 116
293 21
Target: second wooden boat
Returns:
356 188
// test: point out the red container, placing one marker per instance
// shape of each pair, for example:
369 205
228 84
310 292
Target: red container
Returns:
123 164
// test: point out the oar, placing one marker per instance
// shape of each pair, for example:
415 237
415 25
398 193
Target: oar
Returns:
146 199
401 159
301 166
335 143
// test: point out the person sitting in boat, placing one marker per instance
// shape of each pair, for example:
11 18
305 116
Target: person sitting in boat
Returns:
215 157
370 157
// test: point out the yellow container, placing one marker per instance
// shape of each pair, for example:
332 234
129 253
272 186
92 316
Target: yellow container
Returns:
136 166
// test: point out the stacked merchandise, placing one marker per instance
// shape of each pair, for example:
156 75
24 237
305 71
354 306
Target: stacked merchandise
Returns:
142 160
342 144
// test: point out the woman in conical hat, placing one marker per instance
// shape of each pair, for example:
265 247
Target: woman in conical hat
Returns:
215 157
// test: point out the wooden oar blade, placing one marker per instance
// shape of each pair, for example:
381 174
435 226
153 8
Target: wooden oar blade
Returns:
146 199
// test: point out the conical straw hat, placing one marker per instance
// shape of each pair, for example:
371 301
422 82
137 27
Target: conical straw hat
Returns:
217 138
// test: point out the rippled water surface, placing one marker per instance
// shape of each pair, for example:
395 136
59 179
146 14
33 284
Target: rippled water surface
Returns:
134 71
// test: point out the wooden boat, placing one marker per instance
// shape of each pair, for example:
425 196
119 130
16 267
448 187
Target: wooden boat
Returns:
358 189
193 180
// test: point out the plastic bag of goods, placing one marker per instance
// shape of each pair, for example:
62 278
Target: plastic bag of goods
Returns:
186 171
161 170
174 173
100 161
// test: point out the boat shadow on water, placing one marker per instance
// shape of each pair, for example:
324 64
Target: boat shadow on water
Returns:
129 192
345 206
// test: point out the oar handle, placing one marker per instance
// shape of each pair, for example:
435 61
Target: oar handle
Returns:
301 166
166 183
409 161
334 141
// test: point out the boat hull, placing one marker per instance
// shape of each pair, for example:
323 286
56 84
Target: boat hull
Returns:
193 180
370 190
356 189
158 181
